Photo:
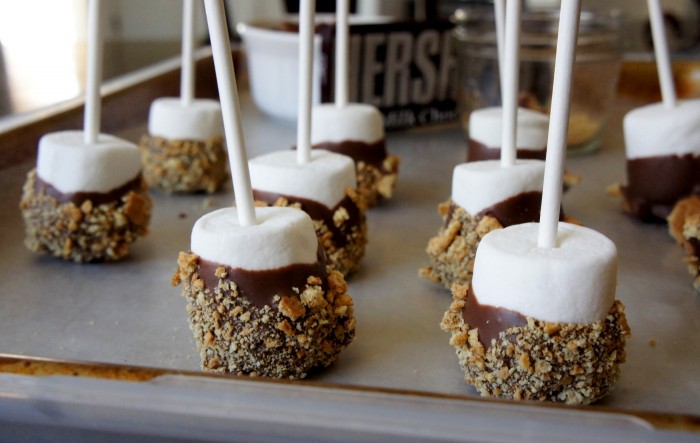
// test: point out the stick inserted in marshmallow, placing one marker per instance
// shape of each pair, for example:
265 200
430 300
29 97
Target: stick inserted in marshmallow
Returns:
558 126
509 83
663 61
230 108
91 122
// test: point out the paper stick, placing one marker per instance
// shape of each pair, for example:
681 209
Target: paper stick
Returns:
307 9
499 12
230 110
341 52
187 78
663 61
558 124
93 104
509 83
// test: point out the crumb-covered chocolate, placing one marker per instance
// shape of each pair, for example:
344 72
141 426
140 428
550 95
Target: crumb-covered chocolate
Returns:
452 251
684 227
303 329
543 361
184 165
342 230
81 230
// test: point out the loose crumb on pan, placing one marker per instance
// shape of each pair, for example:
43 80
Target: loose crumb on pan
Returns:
184 165
286 340
85 233
558 362
451 253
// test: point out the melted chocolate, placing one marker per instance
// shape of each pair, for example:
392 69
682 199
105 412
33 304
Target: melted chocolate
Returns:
521 208
319 211
478 151
655 184
260 287
97 198
370 153
489 320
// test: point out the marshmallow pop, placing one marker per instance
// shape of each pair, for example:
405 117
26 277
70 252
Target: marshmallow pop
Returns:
488 194
261 300
86 200
540 320
354 129
319 182
662 142
184 149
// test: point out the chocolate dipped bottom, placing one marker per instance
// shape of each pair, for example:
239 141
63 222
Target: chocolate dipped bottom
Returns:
477 151
507 355
262 286
97 198
278 323
451 253
489 321
655 184
84 226
341 230
369 153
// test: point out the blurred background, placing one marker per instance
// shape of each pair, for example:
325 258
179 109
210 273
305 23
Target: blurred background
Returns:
42 42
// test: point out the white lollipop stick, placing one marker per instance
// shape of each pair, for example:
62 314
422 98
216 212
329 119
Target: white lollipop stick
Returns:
663 61
230 110
306 62
558 125
499 12
187 70
91 118
509 83
341 52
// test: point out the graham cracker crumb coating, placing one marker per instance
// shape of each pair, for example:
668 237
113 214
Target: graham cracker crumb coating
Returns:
282 341
374 183
451 253
85 233
684 227
345 259
558 362
184 165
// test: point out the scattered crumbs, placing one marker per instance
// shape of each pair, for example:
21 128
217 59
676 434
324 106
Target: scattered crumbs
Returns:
208 203
182 215
652 342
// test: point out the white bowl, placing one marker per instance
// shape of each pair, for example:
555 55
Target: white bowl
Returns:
273 69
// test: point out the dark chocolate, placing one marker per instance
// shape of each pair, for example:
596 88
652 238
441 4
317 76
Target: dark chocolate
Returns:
477 151
489 320
655 184
319 211
78 198
260 287
370 153
521 208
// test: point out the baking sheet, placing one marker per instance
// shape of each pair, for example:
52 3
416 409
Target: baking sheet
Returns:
127 313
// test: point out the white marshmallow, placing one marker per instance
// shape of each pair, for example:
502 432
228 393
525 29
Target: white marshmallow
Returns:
480 185
282 237
572 283
355 121
70 165
655 130
324 179
485 127
200 121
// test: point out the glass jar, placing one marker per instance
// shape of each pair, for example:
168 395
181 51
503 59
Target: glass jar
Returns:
596 68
